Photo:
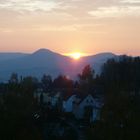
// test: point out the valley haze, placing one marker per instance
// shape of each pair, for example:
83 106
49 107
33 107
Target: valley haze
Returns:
44 61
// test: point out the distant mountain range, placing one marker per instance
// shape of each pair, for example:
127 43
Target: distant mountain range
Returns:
45 61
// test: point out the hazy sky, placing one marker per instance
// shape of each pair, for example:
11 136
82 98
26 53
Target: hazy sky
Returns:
89 26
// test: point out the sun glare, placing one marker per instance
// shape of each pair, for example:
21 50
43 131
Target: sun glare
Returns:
76 55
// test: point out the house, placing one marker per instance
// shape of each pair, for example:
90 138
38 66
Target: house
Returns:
45 98
68 103
86 107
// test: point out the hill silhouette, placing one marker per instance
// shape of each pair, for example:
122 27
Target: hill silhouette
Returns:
44 61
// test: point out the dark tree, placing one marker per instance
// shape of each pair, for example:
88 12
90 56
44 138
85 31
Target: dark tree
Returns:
62 82
86 79
46 82
121 110
13 78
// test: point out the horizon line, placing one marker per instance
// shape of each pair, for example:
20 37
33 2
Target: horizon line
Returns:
68 53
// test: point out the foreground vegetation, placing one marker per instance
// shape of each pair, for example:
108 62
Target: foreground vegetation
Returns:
119 82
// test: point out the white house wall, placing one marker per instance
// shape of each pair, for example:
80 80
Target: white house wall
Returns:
68 105
96 114
88 101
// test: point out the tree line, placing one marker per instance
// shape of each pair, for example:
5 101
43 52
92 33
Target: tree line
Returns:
120 118
118 84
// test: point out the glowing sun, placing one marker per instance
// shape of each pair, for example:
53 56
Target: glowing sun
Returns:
76 55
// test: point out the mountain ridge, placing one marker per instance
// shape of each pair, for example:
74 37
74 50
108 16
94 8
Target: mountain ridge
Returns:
44 61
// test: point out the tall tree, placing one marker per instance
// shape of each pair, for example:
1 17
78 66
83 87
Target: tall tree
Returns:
46 82
86 79
13 78
122 97
62 81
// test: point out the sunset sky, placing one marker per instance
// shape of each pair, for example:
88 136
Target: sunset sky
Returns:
64 26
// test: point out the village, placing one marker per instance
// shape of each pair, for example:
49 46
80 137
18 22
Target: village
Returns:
75 111
74 104
92 107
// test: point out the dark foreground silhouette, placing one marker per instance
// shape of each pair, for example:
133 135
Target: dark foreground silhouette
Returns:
24 117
